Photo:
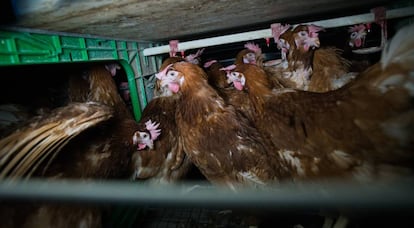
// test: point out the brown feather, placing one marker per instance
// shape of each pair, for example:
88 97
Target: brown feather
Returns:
334 133
74 116
103 89
102 148
328 67
216 77
166 162
218 140
316 70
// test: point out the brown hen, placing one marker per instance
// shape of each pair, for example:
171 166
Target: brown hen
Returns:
307 66
90 140
218 140
361 131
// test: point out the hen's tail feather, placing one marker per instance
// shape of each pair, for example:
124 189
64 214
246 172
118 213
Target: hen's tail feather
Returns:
57 147
400 48
40 153
24 150
12 142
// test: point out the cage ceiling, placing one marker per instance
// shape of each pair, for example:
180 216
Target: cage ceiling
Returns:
162 20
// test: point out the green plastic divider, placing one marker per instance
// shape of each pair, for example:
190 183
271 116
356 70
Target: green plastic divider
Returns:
23 48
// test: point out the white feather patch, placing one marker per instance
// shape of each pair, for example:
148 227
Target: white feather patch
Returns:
391 82
400 48
139 169
409 85
243 148
400 127
283 90
294 162
315 168
215 158
363 172
169 157
251 177
96 158
341 158
342 80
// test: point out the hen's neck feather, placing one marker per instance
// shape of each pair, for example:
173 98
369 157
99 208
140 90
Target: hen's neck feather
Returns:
200 98
240 56
298 57
103 90
257 84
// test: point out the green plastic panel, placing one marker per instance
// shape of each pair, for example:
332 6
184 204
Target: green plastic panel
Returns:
21 48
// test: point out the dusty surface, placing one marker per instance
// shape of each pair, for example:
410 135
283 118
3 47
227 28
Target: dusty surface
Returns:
162 20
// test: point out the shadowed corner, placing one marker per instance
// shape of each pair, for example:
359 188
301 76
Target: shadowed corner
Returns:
7 12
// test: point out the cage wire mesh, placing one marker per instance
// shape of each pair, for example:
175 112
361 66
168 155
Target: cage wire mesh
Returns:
129 204
185 217
157 217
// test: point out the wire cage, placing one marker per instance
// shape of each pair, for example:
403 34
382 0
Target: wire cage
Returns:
198 204
193 202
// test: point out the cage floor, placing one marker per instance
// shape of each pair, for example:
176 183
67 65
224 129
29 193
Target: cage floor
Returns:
154 217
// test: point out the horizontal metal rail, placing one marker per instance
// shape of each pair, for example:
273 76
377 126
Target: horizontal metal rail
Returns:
264 33
395 196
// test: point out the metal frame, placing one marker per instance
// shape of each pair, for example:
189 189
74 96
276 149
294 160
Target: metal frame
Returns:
370 196
265 33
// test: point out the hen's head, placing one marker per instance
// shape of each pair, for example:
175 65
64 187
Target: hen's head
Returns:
170 79
234 78
182 75
357 36
245 56
195 58
160 90
282 35
306 37
237 79
145 139
248 55
247 76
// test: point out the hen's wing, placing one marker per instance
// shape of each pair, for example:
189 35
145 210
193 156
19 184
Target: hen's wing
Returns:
44 136
330 70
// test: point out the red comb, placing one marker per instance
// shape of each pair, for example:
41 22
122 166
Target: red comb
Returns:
228 68
357 28
191 57
209 63
152 127
278 29
173 47
313 30
162 73
253 47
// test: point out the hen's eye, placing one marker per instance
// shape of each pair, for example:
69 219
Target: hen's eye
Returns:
250 55
353 35
234 74
303 33
146 136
